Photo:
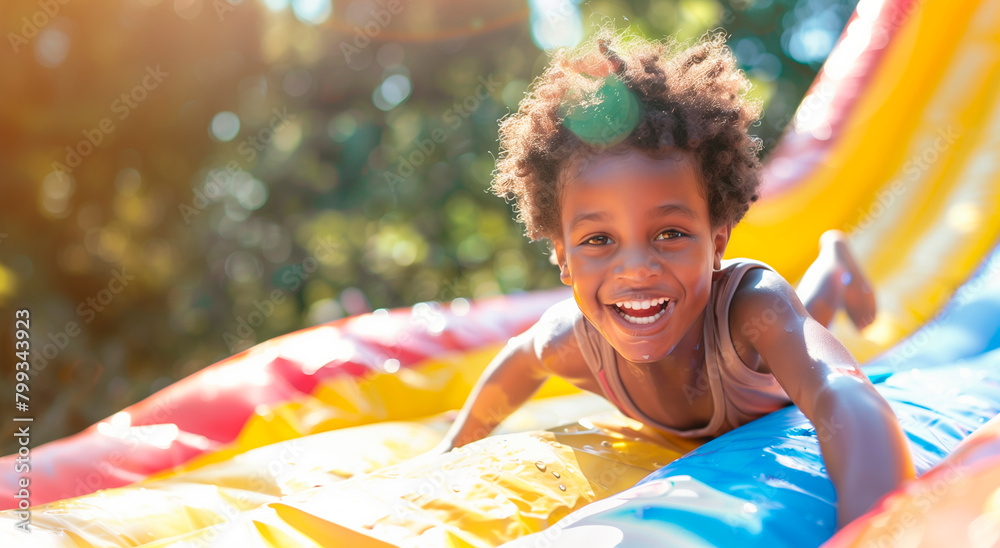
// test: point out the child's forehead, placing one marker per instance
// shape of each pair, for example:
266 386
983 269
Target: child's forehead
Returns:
594 180
668 160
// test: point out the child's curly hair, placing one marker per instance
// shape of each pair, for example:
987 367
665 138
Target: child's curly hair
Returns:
607 95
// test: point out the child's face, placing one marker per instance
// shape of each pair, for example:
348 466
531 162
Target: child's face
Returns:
638 229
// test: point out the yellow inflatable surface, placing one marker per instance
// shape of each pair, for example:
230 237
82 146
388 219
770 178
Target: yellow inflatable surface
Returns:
361 486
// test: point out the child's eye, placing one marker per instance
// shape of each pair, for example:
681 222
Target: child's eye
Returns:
672 234
592 238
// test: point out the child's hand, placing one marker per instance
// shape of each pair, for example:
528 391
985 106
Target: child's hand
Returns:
432 455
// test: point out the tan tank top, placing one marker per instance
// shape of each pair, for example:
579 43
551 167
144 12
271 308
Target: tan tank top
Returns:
739 393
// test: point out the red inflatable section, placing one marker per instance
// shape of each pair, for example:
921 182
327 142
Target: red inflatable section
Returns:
203 412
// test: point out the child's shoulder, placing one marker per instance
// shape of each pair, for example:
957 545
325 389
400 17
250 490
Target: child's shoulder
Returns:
555 337
759 285
752 286
762 300
759 289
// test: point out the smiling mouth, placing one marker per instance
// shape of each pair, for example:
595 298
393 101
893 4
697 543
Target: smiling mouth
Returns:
643 316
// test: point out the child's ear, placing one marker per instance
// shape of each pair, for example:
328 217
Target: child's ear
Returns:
558 258
720 241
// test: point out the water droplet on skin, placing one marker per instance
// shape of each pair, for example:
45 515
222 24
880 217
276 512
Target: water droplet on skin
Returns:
606 443
556 474
540 465
455 487
562 487
570 470
588 447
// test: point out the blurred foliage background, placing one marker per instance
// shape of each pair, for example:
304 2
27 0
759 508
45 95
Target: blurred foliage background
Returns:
237 169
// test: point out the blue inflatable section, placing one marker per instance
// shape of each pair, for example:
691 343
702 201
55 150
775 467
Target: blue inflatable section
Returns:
765 485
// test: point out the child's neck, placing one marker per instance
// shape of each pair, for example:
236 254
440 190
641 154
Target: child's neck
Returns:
686 357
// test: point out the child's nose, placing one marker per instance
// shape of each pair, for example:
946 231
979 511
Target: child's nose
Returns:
638 263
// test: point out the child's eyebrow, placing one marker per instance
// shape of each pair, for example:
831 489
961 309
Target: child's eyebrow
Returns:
596 216
659 211
670 209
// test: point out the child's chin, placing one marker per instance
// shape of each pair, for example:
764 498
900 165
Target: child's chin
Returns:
640 355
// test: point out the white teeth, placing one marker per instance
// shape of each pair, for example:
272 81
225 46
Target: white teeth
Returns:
642 321
641 305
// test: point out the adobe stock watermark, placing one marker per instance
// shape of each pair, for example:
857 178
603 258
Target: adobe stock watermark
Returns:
363 36
898 14
914 167
123 106
220 180
243 336
30 27
453 117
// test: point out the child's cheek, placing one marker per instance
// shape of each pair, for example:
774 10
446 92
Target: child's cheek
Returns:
576 297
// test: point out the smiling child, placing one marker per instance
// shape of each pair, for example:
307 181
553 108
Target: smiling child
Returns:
633 158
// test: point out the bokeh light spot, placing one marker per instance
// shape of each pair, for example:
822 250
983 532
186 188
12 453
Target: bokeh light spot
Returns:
57 188
241 266
225 126
275 5
250 192
555 23
312 12
324 311
127 181
342 127
51 47
393 91
460 306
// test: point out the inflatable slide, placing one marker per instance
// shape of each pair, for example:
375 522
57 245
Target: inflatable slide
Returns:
309 439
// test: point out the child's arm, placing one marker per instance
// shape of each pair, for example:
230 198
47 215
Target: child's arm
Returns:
513 376
860 438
